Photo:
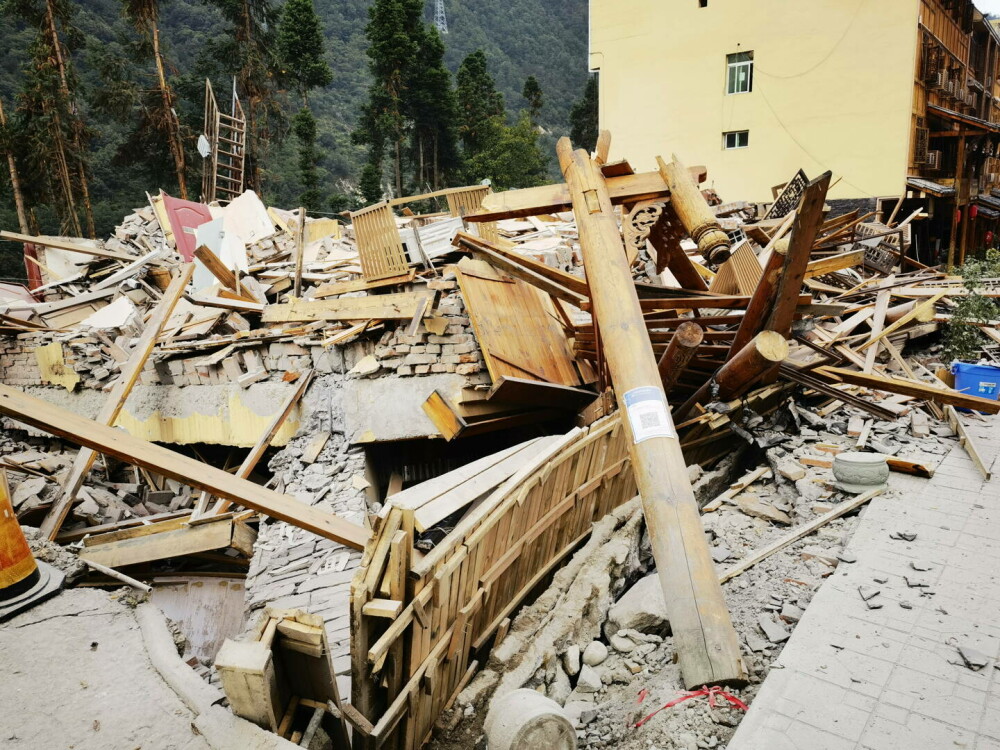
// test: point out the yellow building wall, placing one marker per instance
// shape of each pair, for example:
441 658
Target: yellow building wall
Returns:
833 85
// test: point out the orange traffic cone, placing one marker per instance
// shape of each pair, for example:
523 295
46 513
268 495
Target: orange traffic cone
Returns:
23 581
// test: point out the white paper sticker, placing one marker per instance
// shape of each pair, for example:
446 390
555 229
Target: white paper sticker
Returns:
648 414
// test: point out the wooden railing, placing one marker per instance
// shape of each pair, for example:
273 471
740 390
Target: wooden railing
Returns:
419 622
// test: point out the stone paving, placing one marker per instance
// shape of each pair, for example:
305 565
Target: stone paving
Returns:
891 677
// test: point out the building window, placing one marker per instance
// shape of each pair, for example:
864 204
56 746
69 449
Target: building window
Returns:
736 139
739 73
702 3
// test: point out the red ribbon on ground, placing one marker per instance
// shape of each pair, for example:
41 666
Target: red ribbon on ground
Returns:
711 692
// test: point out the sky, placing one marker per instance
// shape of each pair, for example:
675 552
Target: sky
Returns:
988 6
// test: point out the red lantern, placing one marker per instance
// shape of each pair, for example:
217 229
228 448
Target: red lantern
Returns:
973 212
958 216
989 238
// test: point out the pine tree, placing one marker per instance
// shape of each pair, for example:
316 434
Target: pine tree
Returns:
48 132
300 47
478 101
304 127
162 116
532 92
583 117
394 32
431 105
250 55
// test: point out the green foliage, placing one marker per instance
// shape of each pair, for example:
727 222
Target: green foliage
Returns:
370 184
478 102
583 117
304 127
963 339
300 46
532 93
510 157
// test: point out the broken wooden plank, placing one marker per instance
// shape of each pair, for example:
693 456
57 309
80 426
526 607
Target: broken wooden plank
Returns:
115 400
967 441
155 458
171 542
802 531
61 244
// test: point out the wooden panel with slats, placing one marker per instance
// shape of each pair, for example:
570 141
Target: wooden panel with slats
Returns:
407 670
379 247
469 201
740 274
516 326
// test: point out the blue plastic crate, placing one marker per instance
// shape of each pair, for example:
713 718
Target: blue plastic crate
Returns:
977 380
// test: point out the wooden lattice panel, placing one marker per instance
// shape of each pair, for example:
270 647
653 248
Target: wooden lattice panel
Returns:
469 201
379 246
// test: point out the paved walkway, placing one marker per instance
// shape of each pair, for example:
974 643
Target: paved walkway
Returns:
892 678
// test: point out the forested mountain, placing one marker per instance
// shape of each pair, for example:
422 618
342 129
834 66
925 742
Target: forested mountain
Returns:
114 79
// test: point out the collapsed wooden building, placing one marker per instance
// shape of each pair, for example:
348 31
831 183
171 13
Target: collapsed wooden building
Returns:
475 387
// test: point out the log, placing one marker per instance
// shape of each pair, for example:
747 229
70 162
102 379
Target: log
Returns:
683 344
707 647
763 353
118 444
694 213
116 399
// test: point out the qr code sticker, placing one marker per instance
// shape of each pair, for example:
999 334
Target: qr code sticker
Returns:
649 420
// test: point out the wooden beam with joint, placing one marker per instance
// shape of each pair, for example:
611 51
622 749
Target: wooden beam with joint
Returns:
119 444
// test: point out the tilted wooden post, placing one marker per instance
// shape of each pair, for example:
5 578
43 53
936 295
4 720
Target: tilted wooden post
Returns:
682 347
694 212
759 356
707 647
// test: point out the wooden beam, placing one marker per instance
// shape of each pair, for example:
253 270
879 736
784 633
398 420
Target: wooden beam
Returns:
823 266
706 644
59 244
803 235
575 284
921 310
399 306
759 308
117 397
910 388
167 463
966 441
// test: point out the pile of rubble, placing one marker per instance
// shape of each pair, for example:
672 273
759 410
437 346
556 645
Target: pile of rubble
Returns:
359 406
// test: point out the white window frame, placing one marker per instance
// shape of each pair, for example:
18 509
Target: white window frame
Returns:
736 140
739 72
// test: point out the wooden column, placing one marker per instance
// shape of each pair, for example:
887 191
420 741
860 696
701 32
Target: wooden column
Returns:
300 248
694 212
959 172
707 646
116 399
682 347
